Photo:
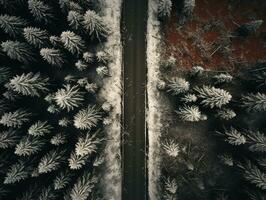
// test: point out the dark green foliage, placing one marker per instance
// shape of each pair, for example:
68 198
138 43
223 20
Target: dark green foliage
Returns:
12 25
41 11
36 36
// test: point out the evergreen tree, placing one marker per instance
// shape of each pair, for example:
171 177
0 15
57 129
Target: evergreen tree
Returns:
226 114
36 36
178 85
187 10
197 71
170 186
222 78
99 160
29 145
12 25
72 42
17 172
95 25
51 161
87 145
15 119
227 160
254 102
234 137
257 141
40 11
76 161
255 176
87 118
91 88
40 128
64 122
53 109
103 57
164 9
83 187
29 84
213 97
47 193
5 74
75 20
171 148
190 114
88 57
18 51
102 71
8 139
69 97
62 180
55 41
80 65
52 56
189 98
58 139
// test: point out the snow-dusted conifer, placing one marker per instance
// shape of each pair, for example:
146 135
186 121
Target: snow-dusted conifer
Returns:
91 88
87 118
197 71
164 8
29 145
5 74
53 109
8 138
95 25
62 180
88 57
102 71
254 102
256 141
83 187
40 11
72 42
16 118
187 10
55 40
29 84
178 85
52 56
190 114
51 161
171 148
36 36
213 97
227 160
18 51
222 78
40 128
76 162
226 114
64 122
58 139
80 65
12 25
234 137
75 20
69 97
170 186
17 172
87 144
103 57
47 193
189 98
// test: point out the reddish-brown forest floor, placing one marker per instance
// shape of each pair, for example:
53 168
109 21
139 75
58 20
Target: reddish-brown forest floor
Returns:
205 39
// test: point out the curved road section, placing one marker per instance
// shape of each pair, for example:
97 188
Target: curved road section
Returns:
134 139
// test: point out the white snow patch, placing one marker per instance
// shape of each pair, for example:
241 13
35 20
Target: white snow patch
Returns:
112 93
154 107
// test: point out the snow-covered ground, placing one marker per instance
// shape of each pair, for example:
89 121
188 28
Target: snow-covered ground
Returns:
111 92
154 107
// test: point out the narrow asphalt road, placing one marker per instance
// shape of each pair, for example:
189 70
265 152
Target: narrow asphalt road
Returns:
134 140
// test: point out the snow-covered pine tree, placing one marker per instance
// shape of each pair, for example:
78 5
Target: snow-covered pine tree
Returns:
75 20
72 42
80 65
226 160
40 11
58 139
196 71
187 10
12 25
164 8
84 186
190 114
29 145
47 193
55 41
76 162
234 137
36 36
64 122
99 160
189 98
95 25
40 128
213 97
69 97
256 141
16 118
178 86
88 144
170 186
102 71
171 148
103 57
62 180
52 56
53 109
5 74
254 102
222 78
17 172
51 161
18 51
91 88
29 84
225 113
254 175
8 138
87 118
88 57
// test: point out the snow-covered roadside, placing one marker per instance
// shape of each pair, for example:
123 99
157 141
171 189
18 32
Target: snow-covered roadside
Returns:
154 109
111 92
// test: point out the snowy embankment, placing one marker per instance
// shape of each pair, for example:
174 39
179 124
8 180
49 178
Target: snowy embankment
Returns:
154 108
111 92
